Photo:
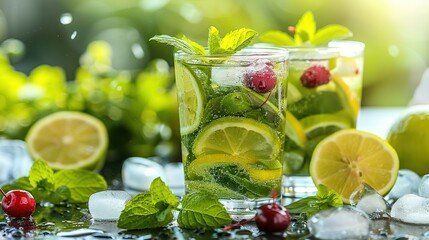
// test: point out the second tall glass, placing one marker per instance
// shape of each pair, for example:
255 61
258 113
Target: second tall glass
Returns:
232 111
324 93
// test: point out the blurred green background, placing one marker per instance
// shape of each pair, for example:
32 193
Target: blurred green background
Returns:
94 56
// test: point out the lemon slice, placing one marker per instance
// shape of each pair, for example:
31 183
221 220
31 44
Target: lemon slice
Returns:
69 140
238 136
324 124
199 166
348 158
190 100
349 99
294 130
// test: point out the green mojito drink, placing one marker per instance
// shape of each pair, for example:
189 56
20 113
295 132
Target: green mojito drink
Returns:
324 92
232 111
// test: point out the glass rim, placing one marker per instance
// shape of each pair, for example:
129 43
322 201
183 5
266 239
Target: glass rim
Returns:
251 52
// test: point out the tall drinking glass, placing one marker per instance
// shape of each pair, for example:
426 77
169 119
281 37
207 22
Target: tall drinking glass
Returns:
232 120
324 93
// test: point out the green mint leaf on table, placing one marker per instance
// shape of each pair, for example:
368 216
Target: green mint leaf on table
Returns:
162 194
324 199
141 213
305 33
81 183
202 210
41 175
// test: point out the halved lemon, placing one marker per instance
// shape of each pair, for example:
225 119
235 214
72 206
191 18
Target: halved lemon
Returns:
69 140
190 100
348 158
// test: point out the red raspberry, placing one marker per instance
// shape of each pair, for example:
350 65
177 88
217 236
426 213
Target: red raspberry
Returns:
262 78
315 76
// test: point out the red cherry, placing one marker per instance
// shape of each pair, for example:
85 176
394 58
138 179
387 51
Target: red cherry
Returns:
315 76
18 203
261 78
272 218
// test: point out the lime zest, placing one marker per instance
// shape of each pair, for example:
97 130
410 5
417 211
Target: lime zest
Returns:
306 33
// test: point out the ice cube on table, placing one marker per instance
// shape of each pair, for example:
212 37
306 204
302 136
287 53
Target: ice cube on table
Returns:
345 222
175 178
411 208
107 205
138 173
15 160
406 183
424 186
368 200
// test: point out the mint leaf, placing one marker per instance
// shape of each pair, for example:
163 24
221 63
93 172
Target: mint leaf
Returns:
198 49
140 213
325 198
185 45
22 183
41 175
62 194
202 210
329 33
305 28
236 40
81 183
277 38
162 194
214 40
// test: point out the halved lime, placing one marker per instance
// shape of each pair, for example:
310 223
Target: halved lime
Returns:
324 124
69 140
348 158
190 100
237 136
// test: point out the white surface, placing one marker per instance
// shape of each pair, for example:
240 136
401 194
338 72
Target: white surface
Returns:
411 209
107 205
340 223
378 120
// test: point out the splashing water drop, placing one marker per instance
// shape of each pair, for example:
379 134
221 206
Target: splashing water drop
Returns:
66 18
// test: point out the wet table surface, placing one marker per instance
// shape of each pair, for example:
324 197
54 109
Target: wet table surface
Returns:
76 222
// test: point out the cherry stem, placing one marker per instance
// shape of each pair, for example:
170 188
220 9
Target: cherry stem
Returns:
266 100
239 224
2 192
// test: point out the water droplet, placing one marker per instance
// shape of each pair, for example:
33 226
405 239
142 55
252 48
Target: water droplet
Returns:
74 34
66 18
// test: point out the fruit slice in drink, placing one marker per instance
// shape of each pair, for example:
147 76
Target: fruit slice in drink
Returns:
69 140
191 100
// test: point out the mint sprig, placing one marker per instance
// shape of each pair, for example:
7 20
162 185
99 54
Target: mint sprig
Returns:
324 199
306 33
155 208
64 186
231 43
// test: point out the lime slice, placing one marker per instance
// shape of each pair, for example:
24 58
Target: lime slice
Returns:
69 140
349 99
293 94
294 130
348 158
324 124
200 166
190 100
237 136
